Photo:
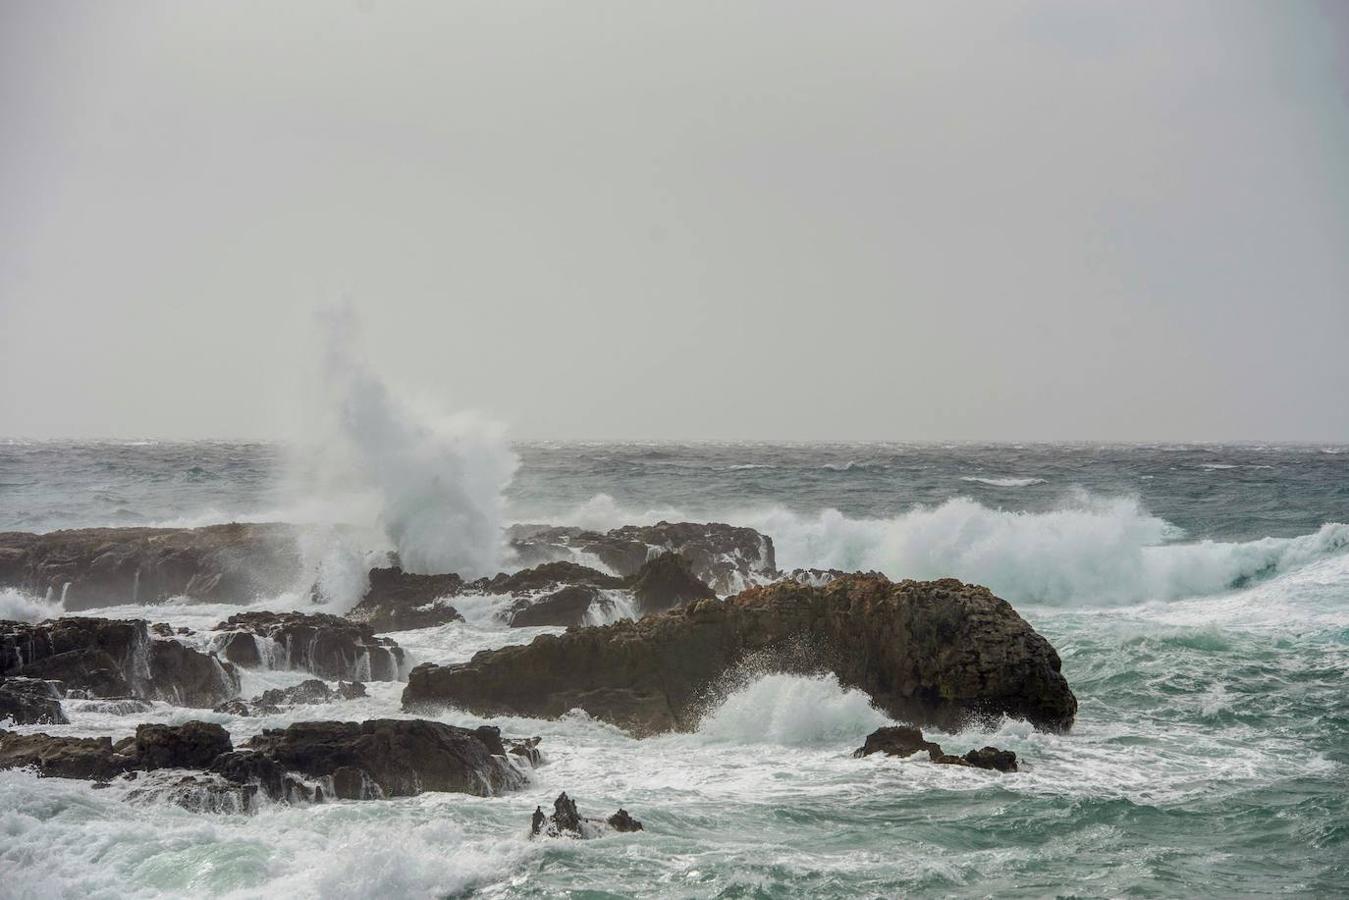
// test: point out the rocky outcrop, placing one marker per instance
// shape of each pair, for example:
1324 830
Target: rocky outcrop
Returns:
107 566
115 658
306 762
192 745
30 701
567 822
935 652
667 581
400 601
725 557
904 740
569 606
307 693
374 759
331 647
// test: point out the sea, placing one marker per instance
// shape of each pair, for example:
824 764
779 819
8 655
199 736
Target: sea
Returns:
1198 595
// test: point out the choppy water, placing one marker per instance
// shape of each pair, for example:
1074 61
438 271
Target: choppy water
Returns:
1199 597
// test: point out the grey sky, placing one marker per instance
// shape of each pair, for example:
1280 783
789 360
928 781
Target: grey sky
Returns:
689 219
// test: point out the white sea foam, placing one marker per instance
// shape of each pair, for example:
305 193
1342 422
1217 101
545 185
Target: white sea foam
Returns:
439 480
1090 550
1004 482
20 607
792 710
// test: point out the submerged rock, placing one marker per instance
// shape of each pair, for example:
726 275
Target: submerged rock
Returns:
927 651
567 822
91 567
115 658
374 759
329 646
31 701
905 740
306 693
725 557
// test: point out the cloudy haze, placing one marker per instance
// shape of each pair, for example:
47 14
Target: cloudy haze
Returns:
682 220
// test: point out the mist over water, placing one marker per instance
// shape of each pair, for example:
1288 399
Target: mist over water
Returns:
439 480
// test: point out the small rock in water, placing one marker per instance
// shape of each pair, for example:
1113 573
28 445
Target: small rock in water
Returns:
905 740
566 821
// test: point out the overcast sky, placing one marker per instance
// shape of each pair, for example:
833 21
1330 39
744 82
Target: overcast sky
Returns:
682 220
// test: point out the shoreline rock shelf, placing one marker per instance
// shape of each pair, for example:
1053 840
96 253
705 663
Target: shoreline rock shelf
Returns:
933 652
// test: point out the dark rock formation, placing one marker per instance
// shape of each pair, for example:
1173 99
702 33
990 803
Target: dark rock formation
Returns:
569 606
306 693
904 740
106 566
30 701
724 557
115 658
567 822
897 740
399 601
936 651
191 745
378 758
329 646
667 581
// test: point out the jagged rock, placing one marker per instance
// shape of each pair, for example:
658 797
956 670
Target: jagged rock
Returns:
377 758
107 566
904 740
115 658
897 740
525 748
306 693
400 601
193 744
547 576
725 557
935 652
30 701
569 606
667 581
567 822
329 646
62 757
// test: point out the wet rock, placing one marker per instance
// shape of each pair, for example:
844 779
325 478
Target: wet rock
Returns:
115 658
31 701
725 557
306 693
525 748
329 646
201 793
667 581
897 740
904 740
935 652
567 822
547 577
399 601
62 757
569 606
106 566
377 758
193 745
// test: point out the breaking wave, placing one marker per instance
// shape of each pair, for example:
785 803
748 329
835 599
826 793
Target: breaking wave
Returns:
1004 482
1091 550
792 710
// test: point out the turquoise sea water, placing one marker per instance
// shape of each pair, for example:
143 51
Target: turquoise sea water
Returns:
1199 597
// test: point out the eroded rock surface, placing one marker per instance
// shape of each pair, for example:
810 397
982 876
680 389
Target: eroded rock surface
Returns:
934 652
904 740
115 658
106 566
191 745
400 601
725 557
566 821
331 647
31 701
